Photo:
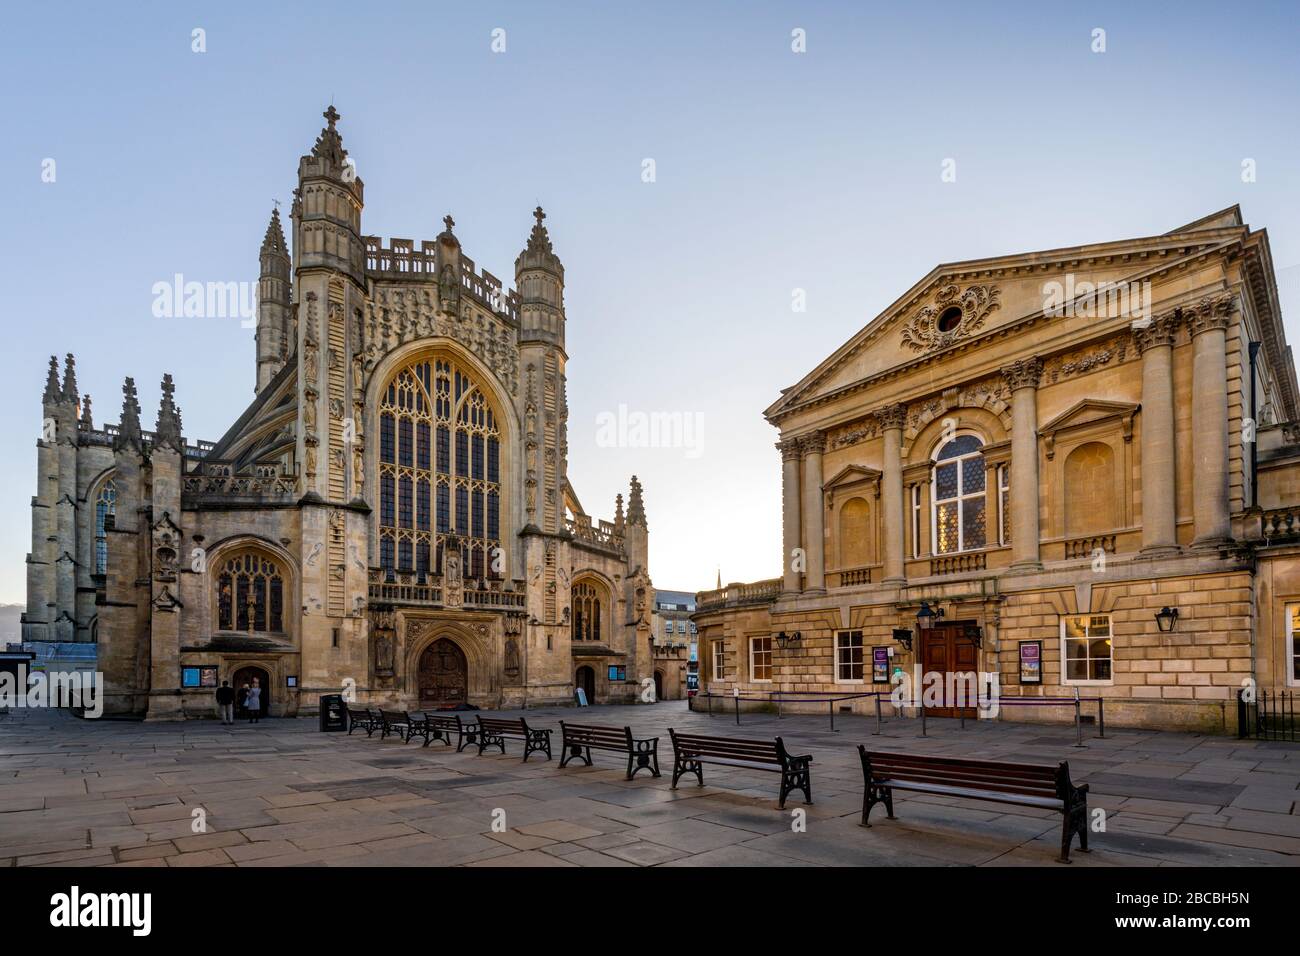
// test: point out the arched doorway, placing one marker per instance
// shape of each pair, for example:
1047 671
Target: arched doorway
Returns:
444 674
586 679
246 675
659 685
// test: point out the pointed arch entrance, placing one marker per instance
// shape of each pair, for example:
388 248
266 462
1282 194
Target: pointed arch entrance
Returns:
246 676
444 674
586 679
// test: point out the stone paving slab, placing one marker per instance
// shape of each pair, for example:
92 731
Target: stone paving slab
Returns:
120 793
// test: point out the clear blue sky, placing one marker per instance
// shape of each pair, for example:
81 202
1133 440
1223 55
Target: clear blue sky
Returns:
774 171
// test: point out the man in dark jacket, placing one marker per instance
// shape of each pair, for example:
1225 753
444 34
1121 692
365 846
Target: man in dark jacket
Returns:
226 702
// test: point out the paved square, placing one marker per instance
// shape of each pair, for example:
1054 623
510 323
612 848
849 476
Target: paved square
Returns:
84 793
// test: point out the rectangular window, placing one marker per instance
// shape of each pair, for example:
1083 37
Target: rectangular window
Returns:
719 667
1086 650
760 659
848 657
1293 644
1004 504
916 521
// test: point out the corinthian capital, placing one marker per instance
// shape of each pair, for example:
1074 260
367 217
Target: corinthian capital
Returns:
1161 330
813 443
789 449
1212 312
1023 373
891 416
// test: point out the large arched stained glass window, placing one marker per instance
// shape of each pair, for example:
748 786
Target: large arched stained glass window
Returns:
439 470
960 502
586 611
105 515
250 594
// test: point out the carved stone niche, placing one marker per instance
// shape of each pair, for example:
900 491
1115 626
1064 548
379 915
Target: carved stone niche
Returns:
383 642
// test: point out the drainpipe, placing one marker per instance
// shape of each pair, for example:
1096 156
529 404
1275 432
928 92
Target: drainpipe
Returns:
1253 349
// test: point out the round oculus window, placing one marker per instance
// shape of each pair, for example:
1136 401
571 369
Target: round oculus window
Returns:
950 318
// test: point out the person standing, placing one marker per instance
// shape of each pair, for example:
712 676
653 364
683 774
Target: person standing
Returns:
226 702
254 701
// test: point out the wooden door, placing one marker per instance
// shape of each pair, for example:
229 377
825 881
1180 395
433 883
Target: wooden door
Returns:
444 674
945 650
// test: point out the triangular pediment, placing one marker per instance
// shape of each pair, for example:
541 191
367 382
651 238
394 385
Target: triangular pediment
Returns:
851 475
959 303
1087 412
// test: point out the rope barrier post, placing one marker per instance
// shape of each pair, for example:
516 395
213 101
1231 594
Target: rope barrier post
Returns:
877 733
777 695
1078 723
737 700
923 717
1101 717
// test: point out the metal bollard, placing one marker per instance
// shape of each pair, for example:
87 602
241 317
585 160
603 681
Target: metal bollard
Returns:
737 700
877 733
1078 723
923 718
1101 717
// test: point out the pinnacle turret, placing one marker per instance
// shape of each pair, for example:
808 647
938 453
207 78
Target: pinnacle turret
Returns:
618 513
87 417
70 380
329 144
274 242
539 253
635 505
128 432
168 429
52 391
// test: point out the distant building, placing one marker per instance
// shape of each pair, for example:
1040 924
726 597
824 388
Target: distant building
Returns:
675 648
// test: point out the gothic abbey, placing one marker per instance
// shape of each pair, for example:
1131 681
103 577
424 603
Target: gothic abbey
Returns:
391 514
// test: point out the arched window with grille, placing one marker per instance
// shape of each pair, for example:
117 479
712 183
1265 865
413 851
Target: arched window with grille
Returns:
105 515
960 502
586 610
439 470
250 594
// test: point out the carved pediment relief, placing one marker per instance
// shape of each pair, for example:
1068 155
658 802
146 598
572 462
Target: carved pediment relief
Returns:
850 476
952 315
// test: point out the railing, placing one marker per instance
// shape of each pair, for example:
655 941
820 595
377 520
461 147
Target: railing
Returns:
1281 523
428 591
1271 716
1086 547
602 535
735 595
218 480
105 436
855 576
957 563
401 258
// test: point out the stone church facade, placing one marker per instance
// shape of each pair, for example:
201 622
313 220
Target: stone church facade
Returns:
391 517
1057 452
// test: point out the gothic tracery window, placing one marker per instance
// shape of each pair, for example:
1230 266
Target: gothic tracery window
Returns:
586 611
960 502
439 470
250 594
105 515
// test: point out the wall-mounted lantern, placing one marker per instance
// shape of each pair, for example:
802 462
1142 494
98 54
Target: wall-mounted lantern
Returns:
926 617
975 634
786 641
904 636
1166 618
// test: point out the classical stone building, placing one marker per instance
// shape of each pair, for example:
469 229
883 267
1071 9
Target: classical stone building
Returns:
1049 449
391 515
674 643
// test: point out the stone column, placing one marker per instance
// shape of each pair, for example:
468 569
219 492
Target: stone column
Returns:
814 536
1159 502
790 518
891 419
1208 321
1022 378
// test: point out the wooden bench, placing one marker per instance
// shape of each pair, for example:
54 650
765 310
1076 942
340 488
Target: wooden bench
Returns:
441 727
1025 785
578 741
394 722
368 720
691 751
493 732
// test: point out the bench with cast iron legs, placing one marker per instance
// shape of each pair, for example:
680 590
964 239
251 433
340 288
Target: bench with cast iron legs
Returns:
441 727
691 751
1025 785
394 722
368 719
580 739
493 732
